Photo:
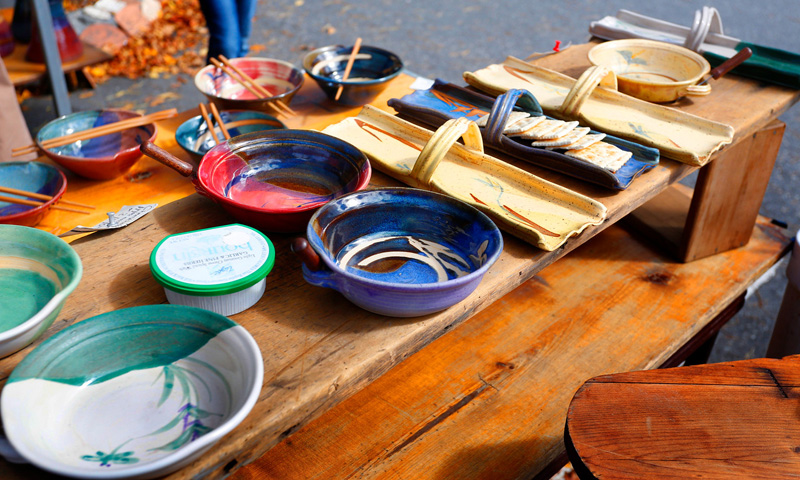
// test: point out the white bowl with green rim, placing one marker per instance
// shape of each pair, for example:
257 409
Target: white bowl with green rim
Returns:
133 393
38 271
222 269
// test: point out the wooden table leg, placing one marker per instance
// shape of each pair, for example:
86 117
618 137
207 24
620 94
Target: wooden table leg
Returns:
723 208
728 194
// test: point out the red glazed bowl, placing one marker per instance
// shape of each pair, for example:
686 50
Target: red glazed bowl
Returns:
275 180
32 177
281 79
100 158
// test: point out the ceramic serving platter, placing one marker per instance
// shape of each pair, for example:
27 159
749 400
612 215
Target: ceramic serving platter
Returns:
540 212
678 135
445 101
133 393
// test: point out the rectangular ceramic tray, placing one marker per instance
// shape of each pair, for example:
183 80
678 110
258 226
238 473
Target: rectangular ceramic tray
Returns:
535 210
678 135
445 101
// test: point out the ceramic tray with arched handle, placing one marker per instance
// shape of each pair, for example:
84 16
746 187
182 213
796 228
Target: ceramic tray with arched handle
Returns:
444 101
678 135
540 212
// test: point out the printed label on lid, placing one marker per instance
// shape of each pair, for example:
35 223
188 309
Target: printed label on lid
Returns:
211 257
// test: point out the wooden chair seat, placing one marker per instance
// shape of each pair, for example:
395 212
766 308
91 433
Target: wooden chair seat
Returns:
722 421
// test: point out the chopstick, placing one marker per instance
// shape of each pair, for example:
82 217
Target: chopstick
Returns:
96 131
221 124
251 85
204 113
34 203
42 196
348 67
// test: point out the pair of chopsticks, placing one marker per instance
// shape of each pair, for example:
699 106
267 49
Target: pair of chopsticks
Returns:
96 132
348 67
251 85
41 200
217 117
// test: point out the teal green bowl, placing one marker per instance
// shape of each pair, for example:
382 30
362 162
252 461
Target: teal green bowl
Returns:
38 271
194 137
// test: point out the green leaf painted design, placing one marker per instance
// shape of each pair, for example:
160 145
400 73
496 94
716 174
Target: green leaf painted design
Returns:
107 459
190 414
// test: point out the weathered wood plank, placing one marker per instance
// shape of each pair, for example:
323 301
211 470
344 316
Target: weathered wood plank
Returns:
489 399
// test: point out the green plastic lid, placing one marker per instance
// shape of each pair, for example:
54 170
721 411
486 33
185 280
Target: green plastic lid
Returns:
212 261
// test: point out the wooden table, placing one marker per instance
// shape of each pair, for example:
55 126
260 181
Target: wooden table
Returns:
319 349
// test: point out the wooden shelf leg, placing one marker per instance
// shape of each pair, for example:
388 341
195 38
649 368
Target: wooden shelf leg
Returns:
728 195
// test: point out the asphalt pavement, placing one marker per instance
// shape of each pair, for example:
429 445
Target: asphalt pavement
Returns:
444 38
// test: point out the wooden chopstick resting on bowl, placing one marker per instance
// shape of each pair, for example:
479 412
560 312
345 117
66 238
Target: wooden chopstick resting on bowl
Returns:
251 85
221 124
34 203
97 131
348 67
209 124
42 196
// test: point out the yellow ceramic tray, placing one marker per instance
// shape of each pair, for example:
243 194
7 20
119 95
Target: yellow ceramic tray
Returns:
535 210
678 135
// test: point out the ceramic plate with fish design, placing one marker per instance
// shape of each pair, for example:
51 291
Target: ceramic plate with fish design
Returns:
133 393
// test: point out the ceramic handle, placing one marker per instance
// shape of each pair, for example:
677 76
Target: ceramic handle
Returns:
705 20
440 143
502 108
583 88
9 452
159 154
307 255
696 90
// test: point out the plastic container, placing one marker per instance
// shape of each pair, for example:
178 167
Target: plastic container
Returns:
222 269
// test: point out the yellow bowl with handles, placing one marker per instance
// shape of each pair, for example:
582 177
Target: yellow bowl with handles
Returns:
653 71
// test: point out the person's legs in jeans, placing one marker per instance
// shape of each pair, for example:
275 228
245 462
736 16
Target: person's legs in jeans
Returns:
246 10
223 22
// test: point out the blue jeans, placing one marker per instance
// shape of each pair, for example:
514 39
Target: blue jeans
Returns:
229 24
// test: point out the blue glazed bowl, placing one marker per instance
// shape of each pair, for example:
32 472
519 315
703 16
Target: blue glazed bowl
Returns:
401 252
194 137
372 70
100 158
33 177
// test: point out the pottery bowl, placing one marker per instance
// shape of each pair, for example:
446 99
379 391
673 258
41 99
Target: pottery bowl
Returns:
100 158
401 252
281 79
38 271
194 137
372 70
275 180
138 392
32 177
651 70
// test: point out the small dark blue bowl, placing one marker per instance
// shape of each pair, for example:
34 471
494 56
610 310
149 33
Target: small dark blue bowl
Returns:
372 70
401 252
194 137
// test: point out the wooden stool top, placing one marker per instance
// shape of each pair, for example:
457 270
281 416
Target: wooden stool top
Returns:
721 421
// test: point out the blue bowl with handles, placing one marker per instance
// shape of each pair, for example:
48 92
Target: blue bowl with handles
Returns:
372 70
401 252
